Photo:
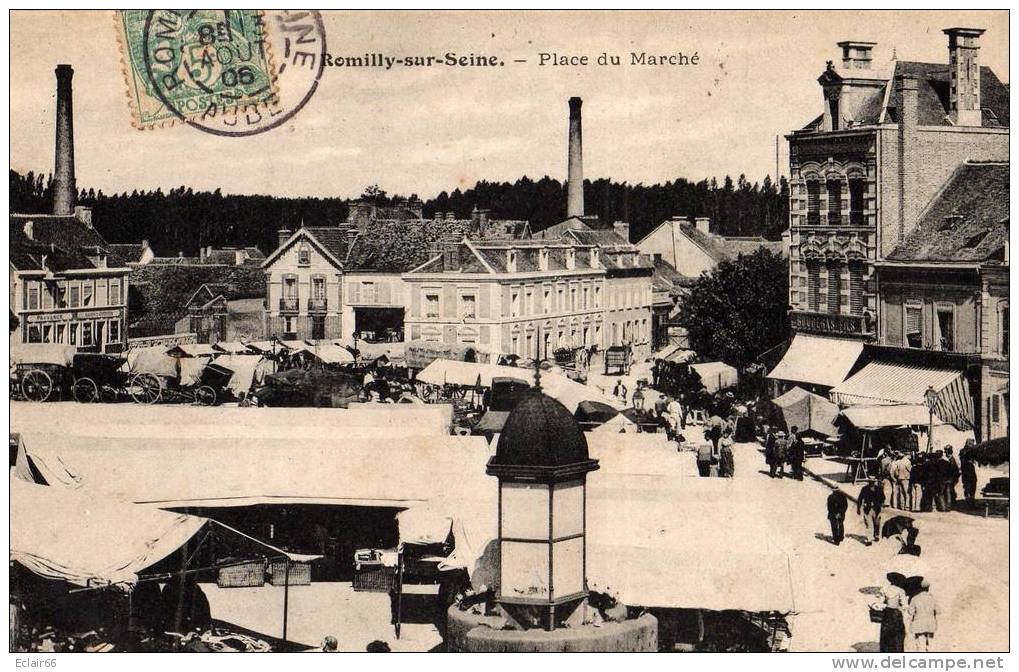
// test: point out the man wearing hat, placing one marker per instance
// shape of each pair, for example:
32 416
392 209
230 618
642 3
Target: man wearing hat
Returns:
923 612
869 504
779 454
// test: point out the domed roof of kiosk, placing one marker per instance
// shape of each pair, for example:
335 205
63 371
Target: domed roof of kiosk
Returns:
540 432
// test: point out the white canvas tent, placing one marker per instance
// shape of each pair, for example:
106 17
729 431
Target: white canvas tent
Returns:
214 424
716 376
568 392
172 471
807 411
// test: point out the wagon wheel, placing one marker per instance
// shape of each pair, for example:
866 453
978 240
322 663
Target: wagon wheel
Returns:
37 385
146 388
427 393
205 396
85 391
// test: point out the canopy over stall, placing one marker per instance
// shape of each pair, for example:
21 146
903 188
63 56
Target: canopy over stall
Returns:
884 383
42 353
716 376
248 370
816 360
327 353
214 424
468 374
61 534
808 411
154 360
232 348
192 350
172 471
675 353
655 545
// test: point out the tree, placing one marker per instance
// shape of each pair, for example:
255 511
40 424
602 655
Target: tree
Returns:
738 310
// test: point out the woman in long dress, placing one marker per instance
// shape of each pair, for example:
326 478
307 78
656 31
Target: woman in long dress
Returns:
893 625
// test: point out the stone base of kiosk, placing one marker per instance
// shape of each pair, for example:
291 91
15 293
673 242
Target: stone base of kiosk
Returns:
473 633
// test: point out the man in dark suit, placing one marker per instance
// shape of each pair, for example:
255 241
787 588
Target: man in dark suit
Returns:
838 503
869 504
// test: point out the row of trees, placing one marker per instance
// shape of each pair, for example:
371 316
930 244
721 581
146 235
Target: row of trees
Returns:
182 220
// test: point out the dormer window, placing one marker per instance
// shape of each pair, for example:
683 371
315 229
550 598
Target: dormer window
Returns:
595 257
511 261
571 258
304 255
543 259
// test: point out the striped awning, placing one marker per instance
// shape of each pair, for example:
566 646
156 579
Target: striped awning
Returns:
884 383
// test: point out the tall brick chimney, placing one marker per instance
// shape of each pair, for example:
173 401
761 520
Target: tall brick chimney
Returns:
909 119
856 54
964 75
65 190
575 177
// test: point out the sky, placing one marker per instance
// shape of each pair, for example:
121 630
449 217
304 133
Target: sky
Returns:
424 131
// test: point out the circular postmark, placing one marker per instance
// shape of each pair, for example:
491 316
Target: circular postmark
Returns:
233 72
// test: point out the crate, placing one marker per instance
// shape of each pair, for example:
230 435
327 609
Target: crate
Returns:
243 575
372 578
300 573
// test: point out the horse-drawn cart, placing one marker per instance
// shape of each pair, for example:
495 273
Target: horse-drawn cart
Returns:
40 371
157 376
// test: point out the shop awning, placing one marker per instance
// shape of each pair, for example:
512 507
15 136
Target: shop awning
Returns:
816 360
878 417
885 383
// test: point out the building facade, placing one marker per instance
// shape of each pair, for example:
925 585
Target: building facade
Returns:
303 279
62 288
945 288
522 298
861 172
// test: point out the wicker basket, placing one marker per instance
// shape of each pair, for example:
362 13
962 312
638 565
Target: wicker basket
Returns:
374 579
300 574
243 575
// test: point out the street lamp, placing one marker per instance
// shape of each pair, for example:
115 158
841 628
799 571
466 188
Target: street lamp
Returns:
542 464
931 397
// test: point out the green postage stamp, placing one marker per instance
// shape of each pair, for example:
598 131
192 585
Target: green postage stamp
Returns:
184 65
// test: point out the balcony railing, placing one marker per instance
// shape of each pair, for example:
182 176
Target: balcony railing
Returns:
830 323
289 304
319 305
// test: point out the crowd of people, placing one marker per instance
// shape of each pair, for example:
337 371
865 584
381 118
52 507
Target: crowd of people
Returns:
926 481
780 451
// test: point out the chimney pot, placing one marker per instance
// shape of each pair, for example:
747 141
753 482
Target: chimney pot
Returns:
856 55
964 76
283 235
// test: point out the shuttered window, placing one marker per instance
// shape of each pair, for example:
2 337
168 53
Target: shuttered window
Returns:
914 327
813 286
813 202
834 202
856 191
856 289
834 288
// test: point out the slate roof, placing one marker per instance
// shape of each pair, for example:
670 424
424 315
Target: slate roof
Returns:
600 237
64 241
667 278
967 221
398 246
158 294
932 97
722 248
332 238
122 254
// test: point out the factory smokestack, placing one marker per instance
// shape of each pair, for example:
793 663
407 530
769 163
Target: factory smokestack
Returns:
64 187
575 178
